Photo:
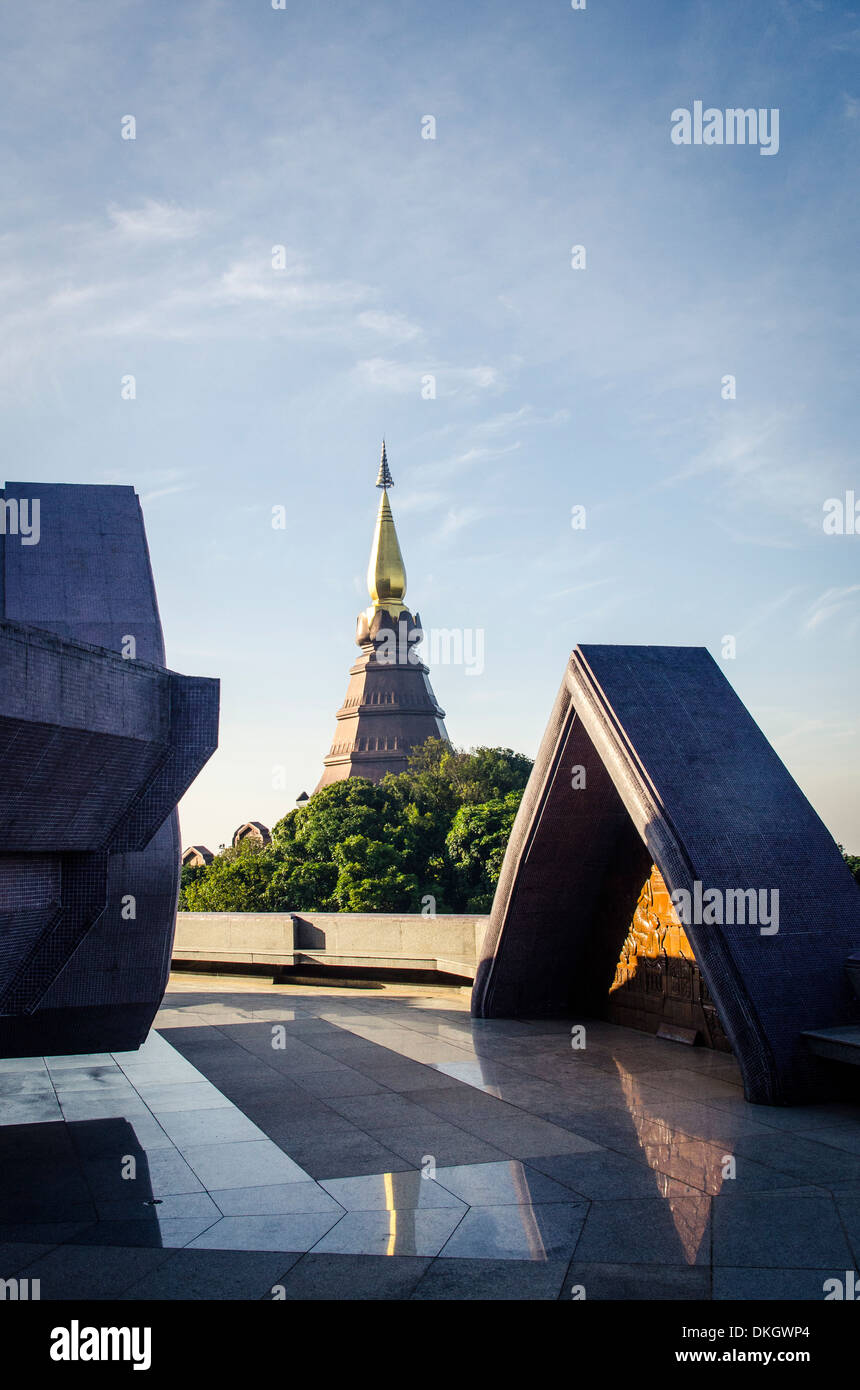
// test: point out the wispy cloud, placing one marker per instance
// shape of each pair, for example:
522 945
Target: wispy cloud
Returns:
764 473
183 289
153 221
405 378
814 729
396 327
147 497
526 415
253 280
455 520
833 603
405 258
762 613
579 588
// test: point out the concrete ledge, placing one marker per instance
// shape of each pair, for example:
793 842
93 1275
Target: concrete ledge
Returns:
448 944
836 1044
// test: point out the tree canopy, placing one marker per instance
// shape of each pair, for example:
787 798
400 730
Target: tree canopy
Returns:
436 831
853 862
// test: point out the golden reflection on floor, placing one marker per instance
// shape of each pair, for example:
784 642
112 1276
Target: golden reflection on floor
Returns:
692 1163
531 1231
392 1214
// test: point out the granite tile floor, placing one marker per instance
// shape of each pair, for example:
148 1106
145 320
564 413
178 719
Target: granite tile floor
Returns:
313 1142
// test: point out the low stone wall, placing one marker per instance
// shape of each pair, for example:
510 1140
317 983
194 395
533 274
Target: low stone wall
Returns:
449 943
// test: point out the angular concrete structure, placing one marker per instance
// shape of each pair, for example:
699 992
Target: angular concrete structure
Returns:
99 741
651 758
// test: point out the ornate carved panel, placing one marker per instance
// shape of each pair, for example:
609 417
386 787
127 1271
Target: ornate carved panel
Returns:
656 979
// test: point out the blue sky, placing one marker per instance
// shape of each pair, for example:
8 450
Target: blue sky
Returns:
452 257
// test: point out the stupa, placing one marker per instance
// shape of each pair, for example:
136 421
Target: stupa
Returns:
389 708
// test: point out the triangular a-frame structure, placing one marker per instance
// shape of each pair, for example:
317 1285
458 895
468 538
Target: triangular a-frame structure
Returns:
650 757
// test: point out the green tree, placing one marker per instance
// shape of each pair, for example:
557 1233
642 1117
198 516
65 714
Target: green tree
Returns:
371 878
853 862
489 774
443 778
302 886
188 874
235 881
362 846
352 807
476 846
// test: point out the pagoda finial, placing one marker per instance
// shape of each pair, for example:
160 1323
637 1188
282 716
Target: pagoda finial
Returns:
384 478
386 573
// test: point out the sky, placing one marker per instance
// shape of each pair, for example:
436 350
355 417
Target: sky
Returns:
266 380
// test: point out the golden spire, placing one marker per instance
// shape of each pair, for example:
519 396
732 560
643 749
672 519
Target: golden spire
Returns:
386 573
383 477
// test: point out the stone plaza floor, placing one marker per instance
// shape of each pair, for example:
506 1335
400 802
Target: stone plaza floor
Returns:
307 1142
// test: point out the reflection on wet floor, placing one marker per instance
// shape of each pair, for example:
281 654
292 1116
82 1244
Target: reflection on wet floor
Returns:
398 1126
691 1162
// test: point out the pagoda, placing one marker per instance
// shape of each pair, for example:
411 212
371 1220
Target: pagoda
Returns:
390 708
